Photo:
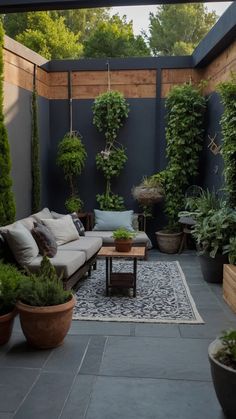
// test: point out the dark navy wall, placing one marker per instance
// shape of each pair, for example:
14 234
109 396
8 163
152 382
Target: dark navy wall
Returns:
44 136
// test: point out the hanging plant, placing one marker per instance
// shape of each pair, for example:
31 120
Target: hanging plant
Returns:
227 91
35 156
71 158
7 200
110 110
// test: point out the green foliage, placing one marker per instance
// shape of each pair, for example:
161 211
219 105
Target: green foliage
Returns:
71 158
203 205
110 110
44 288
35 156
231 250
123 234
214 231
227 354
184 136
178 29
74 204
10 279
115 38
228 97
110 202
111 162
7 201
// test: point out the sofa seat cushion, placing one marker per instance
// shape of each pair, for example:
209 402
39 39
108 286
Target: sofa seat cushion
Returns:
89 245
140 238
65 262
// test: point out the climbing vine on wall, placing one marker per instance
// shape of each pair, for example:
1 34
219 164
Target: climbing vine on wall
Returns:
7 200
110 110
35 164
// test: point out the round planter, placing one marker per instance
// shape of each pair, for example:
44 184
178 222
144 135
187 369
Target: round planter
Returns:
148 196
46 327
212 268
6 325
168 242
224 380
123 245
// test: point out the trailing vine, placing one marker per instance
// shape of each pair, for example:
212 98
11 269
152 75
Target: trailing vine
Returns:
7 200
35 156
227 91
110 110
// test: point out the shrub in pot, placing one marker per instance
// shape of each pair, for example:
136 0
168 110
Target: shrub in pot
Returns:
45 308
10 278
222 357
123 239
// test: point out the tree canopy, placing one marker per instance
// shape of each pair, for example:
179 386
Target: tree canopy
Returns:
178 29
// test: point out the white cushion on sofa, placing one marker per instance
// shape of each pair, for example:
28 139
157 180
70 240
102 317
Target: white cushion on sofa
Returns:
63 229
22 244
89 245
44 213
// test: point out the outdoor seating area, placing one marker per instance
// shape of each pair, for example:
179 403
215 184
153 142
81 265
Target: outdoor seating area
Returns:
118 231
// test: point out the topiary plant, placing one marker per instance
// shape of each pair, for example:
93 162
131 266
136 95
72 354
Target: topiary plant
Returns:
7 201
71 158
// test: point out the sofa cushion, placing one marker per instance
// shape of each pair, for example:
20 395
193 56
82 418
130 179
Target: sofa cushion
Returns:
65 262
22 244
77 222
90 245
111 220
63 229
140 237
45 240
44 213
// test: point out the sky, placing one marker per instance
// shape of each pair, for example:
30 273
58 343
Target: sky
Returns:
140 14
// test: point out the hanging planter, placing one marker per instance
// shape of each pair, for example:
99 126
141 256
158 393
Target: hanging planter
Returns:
147 195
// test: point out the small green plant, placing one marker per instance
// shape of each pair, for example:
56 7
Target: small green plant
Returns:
231 250
10 279
44 288
110 202
74 204
71 158
227 354
123 234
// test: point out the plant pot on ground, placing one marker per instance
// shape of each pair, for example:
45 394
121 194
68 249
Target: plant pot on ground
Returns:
168 242
123 239
10 278
45 308
222 357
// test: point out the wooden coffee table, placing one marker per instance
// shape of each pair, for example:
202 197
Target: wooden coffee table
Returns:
121 279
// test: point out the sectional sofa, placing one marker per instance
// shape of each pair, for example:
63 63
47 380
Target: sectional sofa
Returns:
76 253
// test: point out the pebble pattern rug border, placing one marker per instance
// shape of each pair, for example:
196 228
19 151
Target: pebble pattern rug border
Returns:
163 296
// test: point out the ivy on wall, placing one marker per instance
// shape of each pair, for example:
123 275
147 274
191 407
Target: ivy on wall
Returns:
227 91
110 110
35 164
7 200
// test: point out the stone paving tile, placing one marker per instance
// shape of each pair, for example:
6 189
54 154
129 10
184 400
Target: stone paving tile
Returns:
92 361
130 398
79 398
157 330
47 398
6 415
204 297
82 327
15 383
172 358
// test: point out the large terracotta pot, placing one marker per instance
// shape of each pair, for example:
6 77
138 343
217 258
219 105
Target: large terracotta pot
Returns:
46 327
224 380
168 242
123 245
6 325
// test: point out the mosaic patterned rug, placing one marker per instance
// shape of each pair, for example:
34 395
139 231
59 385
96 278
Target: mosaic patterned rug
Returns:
163 296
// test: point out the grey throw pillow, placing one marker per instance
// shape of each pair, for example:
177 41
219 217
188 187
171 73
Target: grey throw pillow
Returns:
45 240
22 244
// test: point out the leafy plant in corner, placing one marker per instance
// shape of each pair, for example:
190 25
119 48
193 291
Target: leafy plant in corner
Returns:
226 355
71 158
231 250
227 91
110 110
35 156
7 201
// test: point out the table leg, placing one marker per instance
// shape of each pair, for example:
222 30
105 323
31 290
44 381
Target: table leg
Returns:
135 276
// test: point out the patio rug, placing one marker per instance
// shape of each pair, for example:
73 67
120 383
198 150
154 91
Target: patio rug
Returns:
163 296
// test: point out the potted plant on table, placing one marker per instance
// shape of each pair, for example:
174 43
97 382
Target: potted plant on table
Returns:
10 278
222 357
45 307
123 239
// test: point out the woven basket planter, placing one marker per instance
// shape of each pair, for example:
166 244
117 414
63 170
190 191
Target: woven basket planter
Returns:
147 196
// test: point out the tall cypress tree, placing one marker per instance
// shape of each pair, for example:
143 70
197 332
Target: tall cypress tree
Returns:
7 201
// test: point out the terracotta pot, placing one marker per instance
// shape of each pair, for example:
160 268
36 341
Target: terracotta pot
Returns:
46 327
6 325
168 242
224 380
123 245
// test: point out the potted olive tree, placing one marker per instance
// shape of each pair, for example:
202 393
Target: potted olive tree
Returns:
45 307
222 356
123 239
10 278
71 158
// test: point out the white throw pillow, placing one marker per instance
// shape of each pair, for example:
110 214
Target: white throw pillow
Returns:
63 229
22 244
44 213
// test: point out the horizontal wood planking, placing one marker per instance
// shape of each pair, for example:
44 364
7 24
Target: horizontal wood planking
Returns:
174 77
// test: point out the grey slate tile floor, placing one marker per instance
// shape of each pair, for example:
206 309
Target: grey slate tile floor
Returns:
120 370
